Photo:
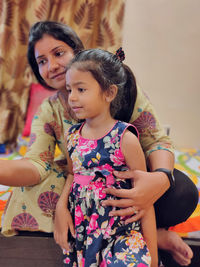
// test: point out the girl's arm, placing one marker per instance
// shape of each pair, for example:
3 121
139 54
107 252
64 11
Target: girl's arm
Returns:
135 160
149 232
63 220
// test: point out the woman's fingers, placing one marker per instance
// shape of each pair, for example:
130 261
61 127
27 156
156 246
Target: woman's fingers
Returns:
122 193
120 203
137 216
124 212
124 174
131 211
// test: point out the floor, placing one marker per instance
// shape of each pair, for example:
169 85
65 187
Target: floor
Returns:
29 251
35 250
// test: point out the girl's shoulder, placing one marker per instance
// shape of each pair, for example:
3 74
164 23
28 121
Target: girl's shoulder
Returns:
123 126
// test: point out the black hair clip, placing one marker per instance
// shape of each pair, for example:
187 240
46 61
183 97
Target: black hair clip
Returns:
120 54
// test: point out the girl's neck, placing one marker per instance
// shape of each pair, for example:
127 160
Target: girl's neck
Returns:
96 128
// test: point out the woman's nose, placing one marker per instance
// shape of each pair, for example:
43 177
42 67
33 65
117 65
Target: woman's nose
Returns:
53 65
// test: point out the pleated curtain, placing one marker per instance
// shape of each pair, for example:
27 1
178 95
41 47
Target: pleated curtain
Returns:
97 22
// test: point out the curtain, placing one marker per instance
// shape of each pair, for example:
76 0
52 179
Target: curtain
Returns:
97 22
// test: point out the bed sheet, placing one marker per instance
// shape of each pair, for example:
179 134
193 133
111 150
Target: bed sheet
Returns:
186 160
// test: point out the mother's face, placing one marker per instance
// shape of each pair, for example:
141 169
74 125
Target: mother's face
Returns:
52 56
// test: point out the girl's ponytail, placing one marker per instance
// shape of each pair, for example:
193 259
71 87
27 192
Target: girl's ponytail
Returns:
128 97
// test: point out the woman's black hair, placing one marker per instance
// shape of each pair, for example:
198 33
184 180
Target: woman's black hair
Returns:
108 70
58 31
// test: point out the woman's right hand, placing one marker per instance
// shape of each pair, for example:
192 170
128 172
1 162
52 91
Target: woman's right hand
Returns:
62 224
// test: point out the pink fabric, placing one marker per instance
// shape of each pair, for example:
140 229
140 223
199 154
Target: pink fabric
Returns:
85 179
37 94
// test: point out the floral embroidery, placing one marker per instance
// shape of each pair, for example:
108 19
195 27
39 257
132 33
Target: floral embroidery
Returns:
145 122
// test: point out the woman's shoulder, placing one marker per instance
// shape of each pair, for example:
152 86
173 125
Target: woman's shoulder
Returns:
51 102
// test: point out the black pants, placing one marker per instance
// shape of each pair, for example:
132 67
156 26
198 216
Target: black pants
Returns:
178 203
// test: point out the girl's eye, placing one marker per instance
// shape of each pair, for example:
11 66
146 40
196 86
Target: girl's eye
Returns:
68 90
81 90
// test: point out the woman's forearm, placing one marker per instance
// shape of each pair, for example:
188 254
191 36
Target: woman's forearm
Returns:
18 173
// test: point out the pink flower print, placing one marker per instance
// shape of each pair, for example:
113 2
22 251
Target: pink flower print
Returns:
86 145
141 265
117 158
100 194
79 217
110 180
89 163
81 260
106 167
103 263
97 188
113 139
93 223
108 229
109 254
67 260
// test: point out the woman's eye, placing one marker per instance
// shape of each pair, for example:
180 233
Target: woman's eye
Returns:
41 62
59 53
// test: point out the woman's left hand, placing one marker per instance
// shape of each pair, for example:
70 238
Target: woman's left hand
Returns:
148 187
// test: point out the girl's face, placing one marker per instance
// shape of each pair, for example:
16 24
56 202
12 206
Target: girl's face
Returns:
52 56
85 96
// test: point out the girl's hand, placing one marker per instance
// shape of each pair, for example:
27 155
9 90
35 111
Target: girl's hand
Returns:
148 188
62 224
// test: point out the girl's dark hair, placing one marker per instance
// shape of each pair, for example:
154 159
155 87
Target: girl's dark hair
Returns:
58 31
107 70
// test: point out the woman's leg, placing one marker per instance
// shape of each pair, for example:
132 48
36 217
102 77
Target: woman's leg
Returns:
174 207
178 203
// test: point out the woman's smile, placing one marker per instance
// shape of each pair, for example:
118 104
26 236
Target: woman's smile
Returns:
59 76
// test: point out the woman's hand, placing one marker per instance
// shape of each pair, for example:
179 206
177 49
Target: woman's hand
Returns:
148 187
62 224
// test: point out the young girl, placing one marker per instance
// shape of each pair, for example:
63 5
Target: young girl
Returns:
102 92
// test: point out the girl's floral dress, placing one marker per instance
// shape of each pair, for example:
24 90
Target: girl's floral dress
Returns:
101 240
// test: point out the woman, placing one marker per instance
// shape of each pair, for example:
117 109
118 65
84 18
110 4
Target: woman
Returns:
39 177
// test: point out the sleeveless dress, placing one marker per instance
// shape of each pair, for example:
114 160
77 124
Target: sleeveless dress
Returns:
101 240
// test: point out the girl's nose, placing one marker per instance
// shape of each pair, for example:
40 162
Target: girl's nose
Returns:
72 96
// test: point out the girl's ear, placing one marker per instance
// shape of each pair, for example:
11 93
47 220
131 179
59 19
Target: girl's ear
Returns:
111 93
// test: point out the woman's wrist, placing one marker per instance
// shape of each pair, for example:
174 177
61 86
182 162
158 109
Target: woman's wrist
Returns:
163 178
169 174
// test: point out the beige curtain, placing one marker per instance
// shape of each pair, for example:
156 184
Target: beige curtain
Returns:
97 22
